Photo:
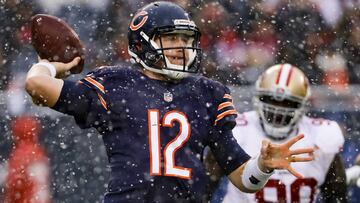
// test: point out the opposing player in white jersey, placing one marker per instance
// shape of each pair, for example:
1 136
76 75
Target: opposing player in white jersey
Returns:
282 94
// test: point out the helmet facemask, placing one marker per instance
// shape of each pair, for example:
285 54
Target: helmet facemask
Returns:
281 99
279 117
170 59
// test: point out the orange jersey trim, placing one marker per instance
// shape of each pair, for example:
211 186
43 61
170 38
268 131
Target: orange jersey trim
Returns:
227 96
96 84
224 105
103 102
222 115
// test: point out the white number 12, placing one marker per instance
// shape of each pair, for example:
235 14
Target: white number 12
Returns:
170 169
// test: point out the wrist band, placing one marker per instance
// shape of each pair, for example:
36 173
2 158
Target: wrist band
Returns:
253 178
49 66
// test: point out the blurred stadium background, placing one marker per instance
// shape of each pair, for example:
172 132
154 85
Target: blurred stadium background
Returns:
240 39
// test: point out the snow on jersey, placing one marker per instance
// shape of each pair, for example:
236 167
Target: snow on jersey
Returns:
324 135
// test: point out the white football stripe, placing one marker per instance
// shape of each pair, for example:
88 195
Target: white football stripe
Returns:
285 73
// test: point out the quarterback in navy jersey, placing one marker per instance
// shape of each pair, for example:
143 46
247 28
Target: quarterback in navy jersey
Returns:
156 117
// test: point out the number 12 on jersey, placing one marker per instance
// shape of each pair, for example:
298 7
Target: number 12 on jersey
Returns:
170 169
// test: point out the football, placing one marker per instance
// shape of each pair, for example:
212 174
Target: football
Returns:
54 40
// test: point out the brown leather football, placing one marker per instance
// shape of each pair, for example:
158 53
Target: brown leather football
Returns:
55 40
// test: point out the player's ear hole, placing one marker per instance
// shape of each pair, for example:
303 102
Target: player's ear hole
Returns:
138 47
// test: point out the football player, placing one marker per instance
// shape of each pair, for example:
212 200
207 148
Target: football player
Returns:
282 95
156 118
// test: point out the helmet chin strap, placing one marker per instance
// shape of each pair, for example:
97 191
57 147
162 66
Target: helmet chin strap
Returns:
138 60
170 74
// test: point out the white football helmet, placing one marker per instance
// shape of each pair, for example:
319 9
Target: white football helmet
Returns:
282 94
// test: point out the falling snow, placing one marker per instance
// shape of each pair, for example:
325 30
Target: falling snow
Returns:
239 40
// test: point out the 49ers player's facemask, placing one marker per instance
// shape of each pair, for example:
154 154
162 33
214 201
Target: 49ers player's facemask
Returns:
282 93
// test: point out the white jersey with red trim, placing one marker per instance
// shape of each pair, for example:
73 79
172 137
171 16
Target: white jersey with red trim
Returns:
324 135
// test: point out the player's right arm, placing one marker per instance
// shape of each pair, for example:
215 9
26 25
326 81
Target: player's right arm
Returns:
80 99
42 87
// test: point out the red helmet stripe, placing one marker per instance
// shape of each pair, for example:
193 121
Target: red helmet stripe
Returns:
279 74
289 76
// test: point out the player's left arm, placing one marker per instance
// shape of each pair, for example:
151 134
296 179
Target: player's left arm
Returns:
249 175
214 170
253 175
334 188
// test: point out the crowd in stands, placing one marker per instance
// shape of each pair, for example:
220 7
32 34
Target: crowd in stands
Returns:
239 38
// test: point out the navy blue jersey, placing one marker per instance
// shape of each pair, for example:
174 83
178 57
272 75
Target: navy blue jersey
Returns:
155 131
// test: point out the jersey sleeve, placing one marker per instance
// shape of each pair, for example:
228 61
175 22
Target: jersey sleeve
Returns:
227 151
224 146
225 111
83 102
329 137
